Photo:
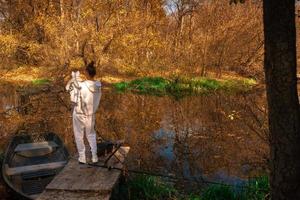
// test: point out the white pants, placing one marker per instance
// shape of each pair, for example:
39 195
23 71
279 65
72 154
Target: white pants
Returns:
84 124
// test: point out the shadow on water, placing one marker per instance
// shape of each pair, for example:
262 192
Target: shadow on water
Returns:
218 137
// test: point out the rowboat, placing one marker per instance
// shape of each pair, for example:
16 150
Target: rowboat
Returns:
31 162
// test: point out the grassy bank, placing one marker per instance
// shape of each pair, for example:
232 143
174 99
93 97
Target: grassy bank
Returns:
149 187
41 81
183 86
153 188
255 189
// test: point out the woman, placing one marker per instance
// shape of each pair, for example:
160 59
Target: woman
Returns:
89 93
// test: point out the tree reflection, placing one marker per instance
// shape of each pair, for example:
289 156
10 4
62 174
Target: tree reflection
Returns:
195 137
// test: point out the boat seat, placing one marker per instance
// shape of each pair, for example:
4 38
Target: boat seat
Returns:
39 174
35 149
33 168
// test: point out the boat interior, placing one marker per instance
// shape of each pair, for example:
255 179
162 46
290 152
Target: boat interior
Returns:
32 162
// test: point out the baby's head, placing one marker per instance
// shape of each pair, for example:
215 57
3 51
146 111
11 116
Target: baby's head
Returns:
90 70
75 74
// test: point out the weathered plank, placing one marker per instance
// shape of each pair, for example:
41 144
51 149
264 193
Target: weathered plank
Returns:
84 177
34 146
72 195
33 168
35 149
78 181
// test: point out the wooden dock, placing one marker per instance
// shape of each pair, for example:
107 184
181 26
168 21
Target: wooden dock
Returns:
87 182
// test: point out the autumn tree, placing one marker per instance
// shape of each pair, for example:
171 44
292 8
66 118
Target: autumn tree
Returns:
150 37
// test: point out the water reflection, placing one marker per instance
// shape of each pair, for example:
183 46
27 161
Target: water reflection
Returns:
219 136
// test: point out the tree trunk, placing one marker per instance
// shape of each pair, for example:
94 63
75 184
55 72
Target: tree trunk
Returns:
283 103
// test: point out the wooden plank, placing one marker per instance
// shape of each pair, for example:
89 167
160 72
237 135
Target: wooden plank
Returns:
34 146
76 177
96 179
35 149
72 195
32 168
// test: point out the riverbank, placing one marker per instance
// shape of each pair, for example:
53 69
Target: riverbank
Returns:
157 188
27 75
184 86
154 85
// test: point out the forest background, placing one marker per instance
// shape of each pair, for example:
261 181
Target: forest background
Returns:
131 38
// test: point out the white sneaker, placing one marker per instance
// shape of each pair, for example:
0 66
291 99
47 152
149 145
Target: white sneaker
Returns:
94 159
81 160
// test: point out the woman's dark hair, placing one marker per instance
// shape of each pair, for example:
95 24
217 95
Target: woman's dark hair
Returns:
90 68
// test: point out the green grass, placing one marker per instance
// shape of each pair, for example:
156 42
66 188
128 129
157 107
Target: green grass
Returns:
193 197
182 86
145 187
255 189
147 85
218 192
121 87
149 188
43 81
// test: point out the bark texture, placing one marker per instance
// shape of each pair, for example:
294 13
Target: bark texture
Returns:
283 103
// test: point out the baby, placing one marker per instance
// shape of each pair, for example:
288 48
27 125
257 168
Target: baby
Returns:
73 87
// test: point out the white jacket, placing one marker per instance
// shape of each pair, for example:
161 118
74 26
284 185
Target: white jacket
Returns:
90 95
85 95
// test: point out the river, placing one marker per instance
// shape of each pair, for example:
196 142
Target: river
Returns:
219 136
